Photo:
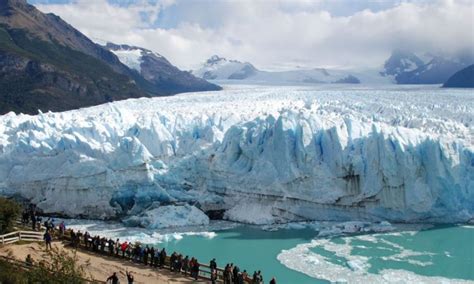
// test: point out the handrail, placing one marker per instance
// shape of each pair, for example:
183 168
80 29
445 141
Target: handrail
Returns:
204 269
17 236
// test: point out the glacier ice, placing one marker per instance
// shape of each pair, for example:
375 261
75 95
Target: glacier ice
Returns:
402 154
169 216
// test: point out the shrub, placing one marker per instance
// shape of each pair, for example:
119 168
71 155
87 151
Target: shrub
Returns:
9 212
58 267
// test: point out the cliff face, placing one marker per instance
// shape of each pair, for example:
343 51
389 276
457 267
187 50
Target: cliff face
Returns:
273 154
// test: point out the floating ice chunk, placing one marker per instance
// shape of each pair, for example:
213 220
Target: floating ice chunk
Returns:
252 213
169 216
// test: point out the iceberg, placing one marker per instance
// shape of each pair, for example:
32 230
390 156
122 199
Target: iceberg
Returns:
401 154
169 216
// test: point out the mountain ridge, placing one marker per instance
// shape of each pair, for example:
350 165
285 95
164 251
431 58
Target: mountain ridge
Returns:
48 65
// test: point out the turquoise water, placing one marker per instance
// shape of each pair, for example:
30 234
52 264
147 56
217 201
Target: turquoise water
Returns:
431 255
443 251
446 252
250 248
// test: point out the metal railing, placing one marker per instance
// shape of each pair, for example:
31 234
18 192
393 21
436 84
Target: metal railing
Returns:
204 269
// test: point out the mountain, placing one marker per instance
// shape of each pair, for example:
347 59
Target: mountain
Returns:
219 68
46 64
157 70
407 68
461 79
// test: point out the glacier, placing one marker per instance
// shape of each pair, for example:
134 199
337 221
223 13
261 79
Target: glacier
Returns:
260 154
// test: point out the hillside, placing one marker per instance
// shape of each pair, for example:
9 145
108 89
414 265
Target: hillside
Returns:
461 79
48 65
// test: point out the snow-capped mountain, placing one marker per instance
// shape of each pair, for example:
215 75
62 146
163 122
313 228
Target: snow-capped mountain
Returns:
219 68
407 68
157 70
260 154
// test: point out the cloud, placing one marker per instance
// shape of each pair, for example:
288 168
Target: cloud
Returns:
277 34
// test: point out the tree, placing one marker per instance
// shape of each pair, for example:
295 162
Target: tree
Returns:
9 212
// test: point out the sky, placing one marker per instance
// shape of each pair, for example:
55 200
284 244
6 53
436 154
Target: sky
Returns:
276 34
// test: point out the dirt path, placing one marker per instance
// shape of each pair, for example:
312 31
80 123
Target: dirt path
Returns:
99 267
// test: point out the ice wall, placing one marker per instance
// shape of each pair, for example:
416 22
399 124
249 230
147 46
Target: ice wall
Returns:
288 153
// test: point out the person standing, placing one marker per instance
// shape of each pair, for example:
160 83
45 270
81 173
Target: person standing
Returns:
213 276
162 257
213 264
113 279
129 277
196 269
47 239
186 265
62 229
273 281
33 221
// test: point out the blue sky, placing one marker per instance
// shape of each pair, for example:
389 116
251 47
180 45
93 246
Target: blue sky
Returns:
275 34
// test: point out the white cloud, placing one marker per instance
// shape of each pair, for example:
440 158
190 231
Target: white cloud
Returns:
274 34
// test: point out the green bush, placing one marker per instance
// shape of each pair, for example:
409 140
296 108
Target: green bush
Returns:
10 274
9 212
58 267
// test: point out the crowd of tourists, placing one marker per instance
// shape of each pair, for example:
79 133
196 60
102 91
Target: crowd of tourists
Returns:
138 253
157 258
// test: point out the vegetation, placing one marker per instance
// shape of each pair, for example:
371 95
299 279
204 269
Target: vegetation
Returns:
56 77
9 212
58 267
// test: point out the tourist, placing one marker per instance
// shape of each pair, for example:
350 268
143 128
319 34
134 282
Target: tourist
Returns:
191 266
152 256
162 257
145 255
117 247
157 257
273 281
235 273
38 223
196 269
113 279
213 276
245 274
29 260
129 251
240 278
172 261
213 264
260 277
179 263
129 277
111 246
86 239
47 239
62 229
228 274
124 248
33 221
185 265
255 279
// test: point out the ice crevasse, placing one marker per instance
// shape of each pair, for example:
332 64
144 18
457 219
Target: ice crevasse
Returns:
260 155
